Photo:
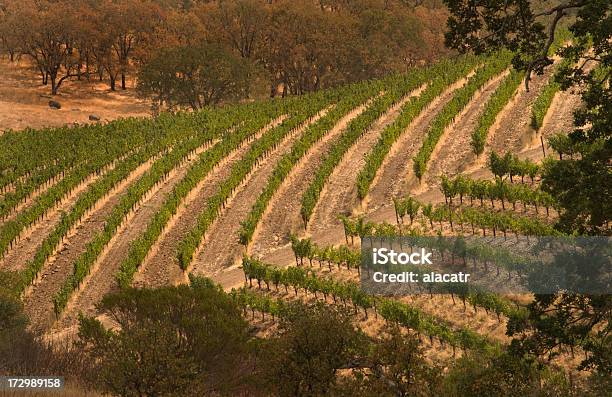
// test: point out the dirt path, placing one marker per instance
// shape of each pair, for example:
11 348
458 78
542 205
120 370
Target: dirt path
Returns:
161 266
393 176
512 130
453 153
282 216
560 115
339 195
38 303
102 277
217 253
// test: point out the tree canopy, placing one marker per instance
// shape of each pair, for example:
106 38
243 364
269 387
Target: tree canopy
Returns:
194 77
581 181
297 45
172 341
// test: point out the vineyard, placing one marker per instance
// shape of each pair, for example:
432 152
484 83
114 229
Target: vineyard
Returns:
271 199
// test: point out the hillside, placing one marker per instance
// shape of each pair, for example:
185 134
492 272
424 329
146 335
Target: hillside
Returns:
144 202
202 197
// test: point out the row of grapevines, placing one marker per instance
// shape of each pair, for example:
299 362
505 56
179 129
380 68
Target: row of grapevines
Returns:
218 122
141 246
340 256
259 150
477 251
411 317
351 258
502 95
11 230
512 166
350 99
354 131
487 219
173 129
389 309
157 174
36 183
59 149
474 250
483 253
482 189
544 100
264 304
476 296
442 75
480 218
493 66
360 227
24 190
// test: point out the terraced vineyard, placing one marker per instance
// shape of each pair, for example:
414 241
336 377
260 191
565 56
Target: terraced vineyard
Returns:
278 192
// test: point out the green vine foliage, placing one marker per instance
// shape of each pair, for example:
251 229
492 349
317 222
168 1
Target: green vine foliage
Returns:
197 172
502 95
156 174
124 138
348 100
492 67
511 165
217 123
440 77
348 292
258 150
395 89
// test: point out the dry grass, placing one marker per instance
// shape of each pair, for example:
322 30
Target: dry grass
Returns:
24 100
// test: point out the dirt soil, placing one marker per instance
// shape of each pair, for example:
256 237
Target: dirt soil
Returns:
453 152
38 301
339 196
32 237
161 266
218 253
396 171
29 200
512 130
382 210
101 280
282 216
24 101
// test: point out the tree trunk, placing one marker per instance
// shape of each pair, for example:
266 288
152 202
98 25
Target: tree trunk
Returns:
123 87
44 76
272 90
54 85
87 69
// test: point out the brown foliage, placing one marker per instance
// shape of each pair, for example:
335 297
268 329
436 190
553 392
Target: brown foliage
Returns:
298 45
